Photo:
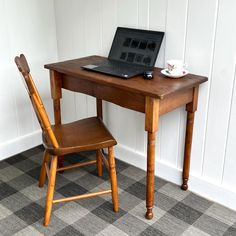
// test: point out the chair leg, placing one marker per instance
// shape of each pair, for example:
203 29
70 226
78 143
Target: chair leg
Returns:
42 176
50 192
99 162
113 178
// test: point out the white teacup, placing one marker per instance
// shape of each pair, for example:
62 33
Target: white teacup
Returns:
175 67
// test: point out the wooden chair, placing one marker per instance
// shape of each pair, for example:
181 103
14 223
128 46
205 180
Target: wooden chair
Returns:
59 140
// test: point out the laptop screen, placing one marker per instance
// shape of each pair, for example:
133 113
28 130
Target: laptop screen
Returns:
135 46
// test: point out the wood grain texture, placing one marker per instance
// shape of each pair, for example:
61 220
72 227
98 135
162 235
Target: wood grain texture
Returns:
85 163
160 87
99 108
79 82
112 171
85 134
42 178
150 174
50 191
190 108
56 94
152 107
82 196
61 139
105 92
99 162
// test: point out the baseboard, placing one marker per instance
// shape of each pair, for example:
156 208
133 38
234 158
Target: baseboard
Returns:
20 144
198 185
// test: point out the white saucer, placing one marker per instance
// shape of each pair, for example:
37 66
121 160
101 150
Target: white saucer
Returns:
168 74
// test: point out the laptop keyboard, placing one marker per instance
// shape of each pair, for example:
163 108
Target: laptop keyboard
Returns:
120 68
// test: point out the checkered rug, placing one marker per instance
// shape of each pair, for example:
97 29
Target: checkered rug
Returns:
175 212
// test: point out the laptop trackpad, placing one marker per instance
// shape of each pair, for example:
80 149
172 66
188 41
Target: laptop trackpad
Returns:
90 66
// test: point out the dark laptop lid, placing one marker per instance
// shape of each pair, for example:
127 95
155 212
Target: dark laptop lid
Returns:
139 47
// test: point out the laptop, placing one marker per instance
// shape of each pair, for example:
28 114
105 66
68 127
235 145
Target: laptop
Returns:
133 52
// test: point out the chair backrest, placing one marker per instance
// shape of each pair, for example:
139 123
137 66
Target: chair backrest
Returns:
36 100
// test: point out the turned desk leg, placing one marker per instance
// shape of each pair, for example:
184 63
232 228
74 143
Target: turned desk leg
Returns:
187 150
151 124
150 174
56 82
57 118
190 108
99 108
98 152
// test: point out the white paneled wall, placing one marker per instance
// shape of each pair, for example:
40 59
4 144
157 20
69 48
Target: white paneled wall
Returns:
200 32
221 92
26 26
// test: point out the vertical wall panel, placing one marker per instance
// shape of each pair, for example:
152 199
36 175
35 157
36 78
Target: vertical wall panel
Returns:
92 27
71 44
28 27
45 47
108 24
8 118
199 55
27 34
175 35
126 134
127 13
229 179
92 39
157 21
108 27
143 14
175 29
81 106
157 14
64 37
221 88
65 41
23 43
141 136
79 50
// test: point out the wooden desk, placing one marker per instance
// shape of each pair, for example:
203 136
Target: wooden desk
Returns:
153 97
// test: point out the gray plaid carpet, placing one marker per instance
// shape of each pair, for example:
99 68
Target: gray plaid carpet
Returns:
175 213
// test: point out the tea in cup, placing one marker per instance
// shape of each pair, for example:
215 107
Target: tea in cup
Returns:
175 67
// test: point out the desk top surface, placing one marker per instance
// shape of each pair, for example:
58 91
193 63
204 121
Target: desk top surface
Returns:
160 86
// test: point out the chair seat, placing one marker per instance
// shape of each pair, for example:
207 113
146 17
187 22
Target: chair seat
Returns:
82 135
